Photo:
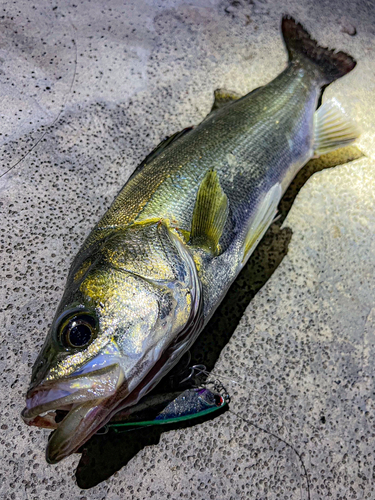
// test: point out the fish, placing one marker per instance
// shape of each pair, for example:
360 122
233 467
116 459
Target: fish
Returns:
156 266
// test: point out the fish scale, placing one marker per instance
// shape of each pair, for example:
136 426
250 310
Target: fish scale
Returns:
238 128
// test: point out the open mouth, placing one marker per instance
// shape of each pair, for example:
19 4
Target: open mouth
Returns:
76 407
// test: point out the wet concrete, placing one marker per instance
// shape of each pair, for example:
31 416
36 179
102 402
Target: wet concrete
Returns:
87 91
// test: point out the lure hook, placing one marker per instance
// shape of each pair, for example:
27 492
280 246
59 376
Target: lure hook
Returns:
198 370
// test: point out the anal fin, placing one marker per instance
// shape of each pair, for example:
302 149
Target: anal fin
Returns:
332 128
210 214
262 220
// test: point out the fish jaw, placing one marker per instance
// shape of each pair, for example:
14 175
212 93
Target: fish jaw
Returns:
82 422
137 345
89 399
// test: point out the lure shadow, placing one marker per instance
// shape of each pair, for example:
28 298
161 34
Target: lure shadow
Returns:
103 455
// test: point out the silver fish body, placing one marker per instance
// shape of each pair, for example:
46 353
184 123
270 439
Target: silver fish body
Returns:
157 265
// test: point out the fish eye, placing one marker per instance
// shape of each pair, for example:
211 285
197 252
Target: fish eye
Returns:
78 331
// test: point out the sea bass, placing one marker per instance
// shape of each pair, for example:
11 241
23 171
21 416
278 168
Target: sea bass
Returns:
156 266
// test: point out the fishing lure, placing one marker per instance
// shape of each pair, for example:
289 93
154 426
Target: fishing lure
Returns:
174 406
170 408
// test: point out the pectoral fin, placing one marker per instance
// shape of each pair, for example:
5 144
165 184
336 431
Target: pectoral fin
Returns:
210 214
332 128
262 220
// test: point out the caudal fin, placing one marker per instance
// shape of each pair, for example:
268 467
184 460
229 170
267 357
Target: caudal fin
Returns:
301 46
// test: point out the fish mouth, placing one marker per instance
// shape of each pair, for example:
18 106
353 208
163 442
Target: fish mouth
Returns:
84 402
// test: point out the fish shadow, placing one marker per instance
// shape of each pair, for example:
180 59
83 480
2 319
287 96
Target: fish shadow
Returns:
103 455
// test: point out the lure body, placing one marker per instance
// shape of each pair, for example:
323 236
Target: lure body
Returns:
169 408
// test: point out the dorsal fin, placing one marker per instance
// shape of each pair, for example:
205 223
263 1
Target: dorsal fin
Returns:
162 146
223 97
210 214
165 143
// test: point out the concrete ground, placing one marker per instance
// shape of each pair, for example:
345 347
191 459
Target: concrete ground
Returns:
87 90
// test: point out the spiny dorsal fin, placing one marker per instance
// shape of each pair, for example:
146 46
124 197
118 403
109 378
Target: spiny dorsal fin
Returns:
223 97
165 143
332 128
162 146
210 214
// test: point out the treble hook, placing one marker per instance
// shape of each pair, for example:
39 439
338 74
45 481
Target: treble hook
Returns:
103 430
219 388
199 369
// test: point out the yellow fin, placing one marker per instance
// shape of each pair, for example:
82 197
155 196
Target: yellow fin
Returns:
210 214
332 128
262 220
223 97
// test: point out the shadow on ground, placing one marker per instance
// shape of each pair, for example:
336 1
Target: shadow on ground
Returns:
103 455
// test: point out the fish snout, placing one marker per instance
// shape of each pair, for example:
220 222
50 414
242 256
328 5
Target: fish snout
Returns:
43 401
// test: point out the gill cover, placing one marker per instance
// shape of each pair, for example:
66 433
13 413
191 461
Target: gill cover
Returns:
130 310
138 288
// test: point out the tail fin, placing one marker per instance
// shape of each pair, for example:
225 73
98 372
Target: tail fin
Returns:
300 46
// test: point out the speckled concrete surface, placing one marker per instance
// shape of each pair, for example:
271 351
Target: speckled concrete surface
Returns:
87 90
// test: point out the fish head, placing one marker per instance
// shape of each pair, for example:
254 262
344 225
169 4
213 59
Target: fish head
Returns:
129 312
